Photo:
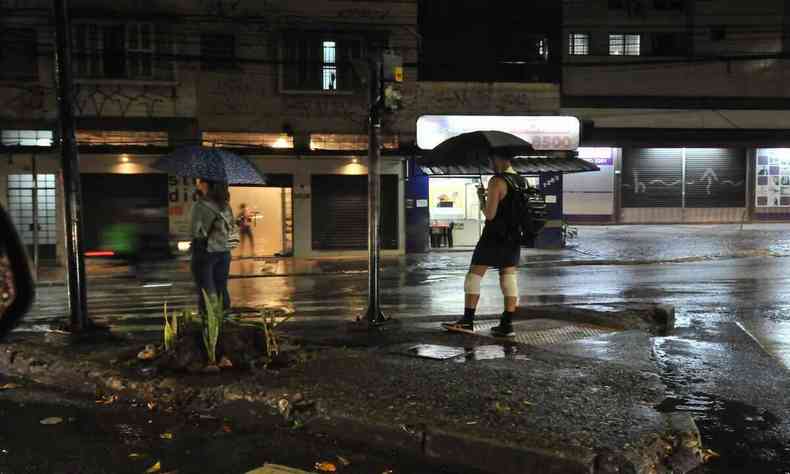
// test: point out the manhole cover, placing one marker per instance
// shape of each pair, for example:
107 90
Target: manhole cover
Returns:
538 332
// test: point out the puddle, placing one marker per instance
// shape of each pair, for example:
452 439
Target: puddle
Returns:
460 354
487 353
740 433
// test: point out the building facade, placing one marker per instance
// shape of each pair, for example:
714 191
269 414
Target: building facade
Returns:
281 82
687 102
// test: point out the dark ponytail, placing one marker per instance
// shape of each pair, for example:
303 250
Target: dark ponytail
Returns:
218 193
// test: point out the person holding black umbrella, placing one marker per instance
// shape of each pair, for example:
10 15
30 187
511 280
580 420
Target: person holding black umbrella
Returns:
496 248
211 225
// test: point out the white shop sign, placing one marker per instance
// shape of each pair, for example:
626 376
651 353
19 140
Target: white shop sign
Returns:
547 132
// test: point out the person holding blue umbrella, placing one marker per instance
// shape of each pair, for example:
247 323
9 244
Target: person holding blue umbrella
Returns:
212 224
213 228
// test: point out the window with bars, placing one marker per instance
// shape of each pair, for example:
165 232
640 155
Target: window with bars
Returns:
319 63
625 44
217 52
122 51
579 44
26 138
21 189
18 54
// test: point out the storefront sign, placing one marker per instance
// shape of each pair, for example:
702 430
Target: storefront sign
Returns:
773 177
601 156
542 132
181 195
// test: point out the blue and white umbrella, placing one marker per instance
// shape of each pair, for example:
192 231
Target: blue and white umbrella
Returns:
213 164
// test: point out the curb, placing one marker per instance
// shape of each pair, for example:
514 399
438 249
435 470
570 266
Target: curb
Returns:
676 446
456 449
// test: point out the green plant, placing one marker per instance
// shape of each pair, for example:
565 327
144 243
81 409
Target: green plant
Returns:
270 323
171 329
212 323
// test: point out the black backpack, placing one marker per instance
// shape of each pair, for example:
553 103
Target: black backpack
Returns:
528 213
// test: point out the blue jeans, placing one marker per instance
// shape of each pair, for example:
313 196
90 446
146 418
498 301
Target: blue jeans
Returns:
210 271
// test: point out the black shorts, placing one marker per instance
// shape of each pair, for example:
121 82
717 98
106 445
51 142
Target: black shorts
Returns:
497 253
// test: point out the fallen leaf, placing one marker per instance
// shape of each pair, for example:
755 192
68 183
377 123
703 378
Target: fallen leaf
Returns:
107 400
528 403
325 467
343 461
9 386
151 405
137 456
55 420
709 455
155 468
166 436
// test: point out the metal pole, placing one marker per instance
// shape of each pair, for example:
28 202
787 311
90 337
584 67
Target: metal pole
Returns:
34 166
71 171
374 314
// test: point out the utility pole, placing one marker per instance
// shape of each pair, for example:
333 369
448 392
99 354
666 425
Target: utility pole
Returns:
71 170
374 315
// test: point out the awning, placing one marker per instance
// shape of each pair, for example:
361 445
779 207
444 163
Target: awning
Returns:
562 163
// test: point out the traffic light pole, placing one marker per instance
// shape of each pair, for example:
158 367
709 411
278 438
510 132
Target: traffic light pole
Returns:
71 171
374 316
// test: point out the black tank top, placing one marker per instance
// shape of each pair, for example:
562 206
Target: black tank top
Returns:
498 227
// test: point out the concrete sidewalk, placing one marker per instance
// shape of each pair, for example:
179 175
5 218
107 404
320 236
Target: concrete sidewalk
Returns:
479 403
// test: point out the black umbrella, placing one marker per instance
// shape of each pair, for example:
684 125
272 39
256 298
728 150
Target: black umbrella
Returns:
475 149
214 164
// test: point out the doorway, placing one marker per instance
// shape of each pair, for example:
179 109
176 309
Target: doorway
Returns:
21 205
270 212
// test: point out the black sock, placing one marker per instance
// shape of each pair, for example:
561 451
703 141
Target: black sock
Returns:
507 317
469 314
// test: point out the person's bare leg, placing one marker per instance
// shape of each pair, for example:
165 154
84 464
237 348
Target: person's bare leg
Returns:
471 298
509 284
510 301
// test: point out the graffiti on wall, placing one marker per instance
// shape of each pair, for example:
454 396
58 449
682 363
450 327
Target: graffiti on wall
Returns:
25 101
97 100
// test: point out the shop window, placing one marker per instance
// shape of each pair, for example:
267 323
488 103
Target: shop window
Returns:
26 137
319 63
122 51
348 142
247 139
625 44
217 52
18 54
578 44
121 138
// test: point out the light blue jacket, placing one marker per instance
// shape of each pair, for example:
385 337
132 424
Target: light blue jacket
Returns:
209 221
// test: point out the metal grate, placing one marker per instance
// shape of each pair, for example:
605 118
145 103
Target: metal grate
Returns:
548 336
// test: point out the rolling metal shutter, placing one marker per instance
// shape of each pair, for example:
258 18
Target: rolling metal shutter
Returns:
340 212
715 177
653 177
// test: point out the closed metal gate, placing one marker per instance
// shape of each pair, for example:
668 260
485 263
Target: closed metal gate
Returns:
340 212
715 177
653 177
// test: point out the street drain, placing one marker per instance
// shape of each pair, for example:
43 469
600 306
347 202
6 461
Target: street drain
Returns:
541 332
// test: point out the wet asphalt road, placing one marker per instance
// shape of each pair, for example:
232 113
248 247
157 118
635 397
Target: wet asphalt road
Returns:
727 364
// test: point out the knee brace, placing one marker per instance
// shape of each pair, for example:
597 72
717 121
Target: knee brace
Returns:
472 284
509 284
